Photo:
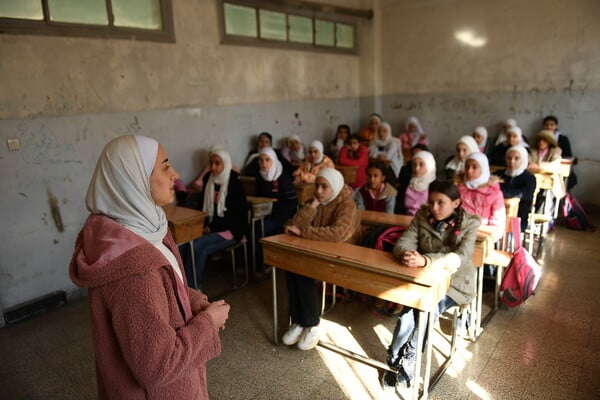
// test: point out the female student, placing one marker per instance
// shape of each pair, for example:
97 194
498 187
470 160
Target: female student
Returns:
272 182
293 151
413 134
330 216
354 153
551 124
315 162
387 147
485 144
152 334
514 136
545 157
455 166
376 194
517 182
341 137
224 201
367 135
506 125
442 237
251 167
412 196
481 195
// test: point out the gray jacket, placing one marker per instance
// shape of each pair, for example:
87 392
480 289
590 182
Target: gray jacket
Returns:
421 236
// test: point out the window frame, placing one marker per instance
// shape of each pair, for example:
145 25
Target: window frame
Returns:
46 27
313 11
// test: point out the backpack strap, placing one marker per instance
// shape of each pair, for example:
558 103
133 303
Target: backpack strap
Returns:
516 231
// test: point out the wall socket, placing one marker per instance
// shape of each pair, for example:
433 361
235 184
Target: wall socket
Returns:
13 144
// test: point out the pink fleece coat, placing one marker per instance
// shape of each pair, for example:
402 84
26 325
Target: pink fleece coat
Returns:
144 348
487 202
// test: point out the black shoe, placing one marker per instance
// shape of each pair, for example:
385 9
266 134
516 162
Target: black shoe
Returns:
389 380
404 378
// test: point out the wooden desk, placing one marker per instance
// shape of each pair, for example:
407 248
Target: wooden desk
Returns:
512 207
348 172
304 192
368 271
378 218
385 161
186 225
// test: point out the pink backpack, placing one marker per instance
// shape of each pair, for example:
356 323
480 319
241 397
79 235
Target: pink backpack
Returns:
388 238
522 274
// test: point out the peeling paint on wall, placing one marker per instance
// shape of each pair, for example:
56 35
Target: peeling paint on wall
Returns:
55 211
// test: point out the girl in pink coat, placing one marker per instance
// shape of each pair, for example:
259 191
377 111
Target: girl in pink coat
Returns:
482 196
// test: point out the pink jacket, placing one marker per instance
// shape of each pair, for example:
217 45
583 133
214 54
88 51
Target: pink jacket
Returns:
144 348
487 202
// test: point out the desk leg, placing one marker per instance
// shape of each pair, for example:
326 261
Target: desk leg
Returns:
479 305
193 264
253 246
274 280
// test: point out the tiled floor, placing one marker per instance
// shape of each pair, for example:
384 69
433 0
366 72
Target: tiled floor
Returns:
548 348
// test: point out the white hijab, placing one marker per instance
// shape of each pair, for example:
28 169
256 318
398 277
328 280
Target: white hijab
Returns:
473 147
386 140
416 137
276 168
483 162
335 180
298 154
502 135
120 186
120 189
421 183
319 146
524 160
223 180
484 133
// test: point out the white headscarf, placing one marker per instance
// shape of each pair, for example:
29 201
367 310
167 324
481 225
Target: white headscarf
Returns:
517 131
524 160
335 180
473 147
484 133
319 146
276 168
502 135
422 183
483 162
223 180
299 154
386 140
120 187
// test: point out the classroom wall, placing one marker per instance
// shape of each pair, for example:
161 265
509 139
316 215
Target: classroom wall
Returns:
64 98
541 57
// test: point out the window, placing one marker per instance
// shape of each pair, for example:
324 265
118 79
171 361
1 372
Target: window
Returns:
303 25
129 19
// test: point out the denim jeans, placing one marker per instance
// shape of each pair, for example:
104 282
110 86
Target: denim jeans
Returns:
406 332
208 244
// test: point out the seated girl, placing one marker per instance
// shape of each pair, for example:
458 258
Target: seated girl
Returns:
441 237
455 165
315 162
545 157
197 184
272 182
341 137
354 153
376 194
412 196
502 135
293 150
514 136
551 124
387 147
251 167
367 135
224 201
517 182
485 144
413 134
482 196
330 216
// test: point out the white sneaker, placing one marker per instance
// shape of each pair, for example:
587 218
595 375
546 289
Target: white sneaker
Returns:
310 338
292 335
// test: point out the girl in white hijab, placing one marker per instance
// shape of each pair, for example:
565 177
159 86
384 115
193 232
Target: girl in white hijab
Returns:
387 147
485 144
331 216
417 193
224 201
509 123
293 151
413 134
456 165
314 163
